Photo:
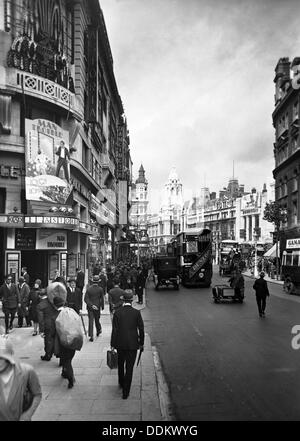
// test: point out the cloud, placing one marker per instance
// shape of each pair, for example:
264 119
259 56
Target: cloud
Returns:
196 79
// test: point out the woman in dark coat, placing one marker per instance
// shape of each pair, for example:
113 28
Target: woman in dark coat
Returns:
33 301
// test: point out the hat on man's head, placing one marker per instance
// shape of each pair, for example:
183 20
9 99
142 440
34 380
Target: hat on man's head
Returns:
21 279
127 296
6 349
96 279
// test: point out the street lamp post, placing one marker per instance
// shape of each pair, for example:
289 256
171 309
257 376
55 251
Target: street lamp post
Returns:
255 255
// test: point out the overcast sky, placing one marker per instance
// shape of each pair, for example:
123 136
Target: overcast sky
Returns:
196 80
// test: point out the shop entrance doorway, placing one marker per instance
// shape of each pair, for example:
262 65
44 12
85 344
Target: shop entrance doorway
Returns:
37 266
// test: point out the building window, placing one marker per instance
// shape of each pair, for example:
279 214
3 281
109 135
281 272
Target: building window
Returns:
2 199
296 110
295 181
294 212
85 155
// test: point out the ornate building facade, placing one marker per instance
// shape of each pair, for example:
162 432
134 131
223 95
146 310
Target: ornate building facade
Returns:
162 227
287 159
62 139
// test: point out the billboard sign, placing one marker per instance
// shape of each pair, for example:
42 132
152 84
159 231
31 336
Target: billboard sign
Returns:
47 157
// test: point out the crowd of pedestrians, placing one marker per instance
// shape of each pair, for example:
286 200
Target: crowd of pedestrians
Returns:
39 307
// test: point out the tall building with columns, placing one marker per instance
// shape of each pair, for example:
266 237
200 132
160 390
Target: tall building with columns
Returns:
162 227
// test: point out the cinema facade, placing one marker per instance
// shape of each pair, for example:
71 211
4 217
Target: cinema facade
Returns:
65 166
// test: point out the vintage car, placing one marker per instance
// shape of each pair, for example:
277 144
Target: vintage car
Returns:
165 272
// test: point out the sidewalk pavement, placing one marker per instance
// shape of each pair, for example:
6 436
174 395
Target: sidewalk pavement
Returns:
96 395
248 273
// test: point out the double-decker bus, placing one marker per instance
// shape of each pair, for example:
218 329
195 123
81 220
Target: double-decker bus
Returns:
193 249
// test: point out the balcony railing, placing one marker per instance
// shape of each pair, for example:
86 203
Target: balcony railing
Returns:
28 83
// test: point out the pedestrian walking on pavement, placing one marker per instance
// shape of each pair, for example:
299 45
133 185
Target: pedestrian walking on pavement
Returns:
20 390
94 299
140 285
25 274
262 292
23 311
114 297
10 296
80 279
127 337
65 354
33 301
49 313
43 301
74 296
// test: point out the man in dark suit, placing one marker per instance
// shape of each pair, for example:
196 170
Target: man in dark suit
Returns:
94 299
74 297
10 296
262 292
25 274
127 337
114 297
80 279
24 300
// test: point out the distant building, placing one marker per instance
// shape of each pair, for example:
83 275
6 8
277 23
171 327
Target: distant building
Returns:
162 227
249 211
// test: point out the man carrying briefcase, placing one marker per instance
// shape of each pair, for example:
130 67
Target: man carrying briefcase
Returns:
127 337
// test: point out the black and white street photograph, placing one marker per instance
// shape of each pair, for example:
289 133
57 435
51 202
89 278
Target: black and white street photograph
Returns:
149 213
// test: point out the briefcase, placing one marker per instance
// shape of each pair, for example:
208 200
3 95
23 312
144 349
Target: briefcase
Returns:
112 359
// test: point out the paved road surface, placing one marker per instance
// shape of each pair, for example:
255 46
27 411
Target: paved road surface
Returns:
222 361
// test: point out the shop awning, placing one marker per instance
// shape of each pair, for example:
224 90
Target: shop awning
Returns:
272 251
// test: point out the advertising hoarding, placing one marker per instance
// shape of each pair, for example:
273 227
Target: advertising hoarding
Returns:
47 157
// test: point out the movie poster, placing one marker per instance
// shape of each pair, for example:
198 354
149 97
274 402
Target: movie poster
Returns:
47 156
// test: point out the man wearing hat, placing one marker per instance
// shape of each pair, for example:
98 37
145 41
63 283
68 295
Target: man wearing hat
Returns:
127 337
74 296
24 300
114 296
10 296
15 379
262 292
94 299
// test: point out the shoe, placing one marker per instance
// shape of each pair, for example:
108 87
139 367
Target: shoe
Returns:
260 315
45 358
10 327
263 314
20 326
71 384
91 339
35 333
98 333
7 331
125 395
